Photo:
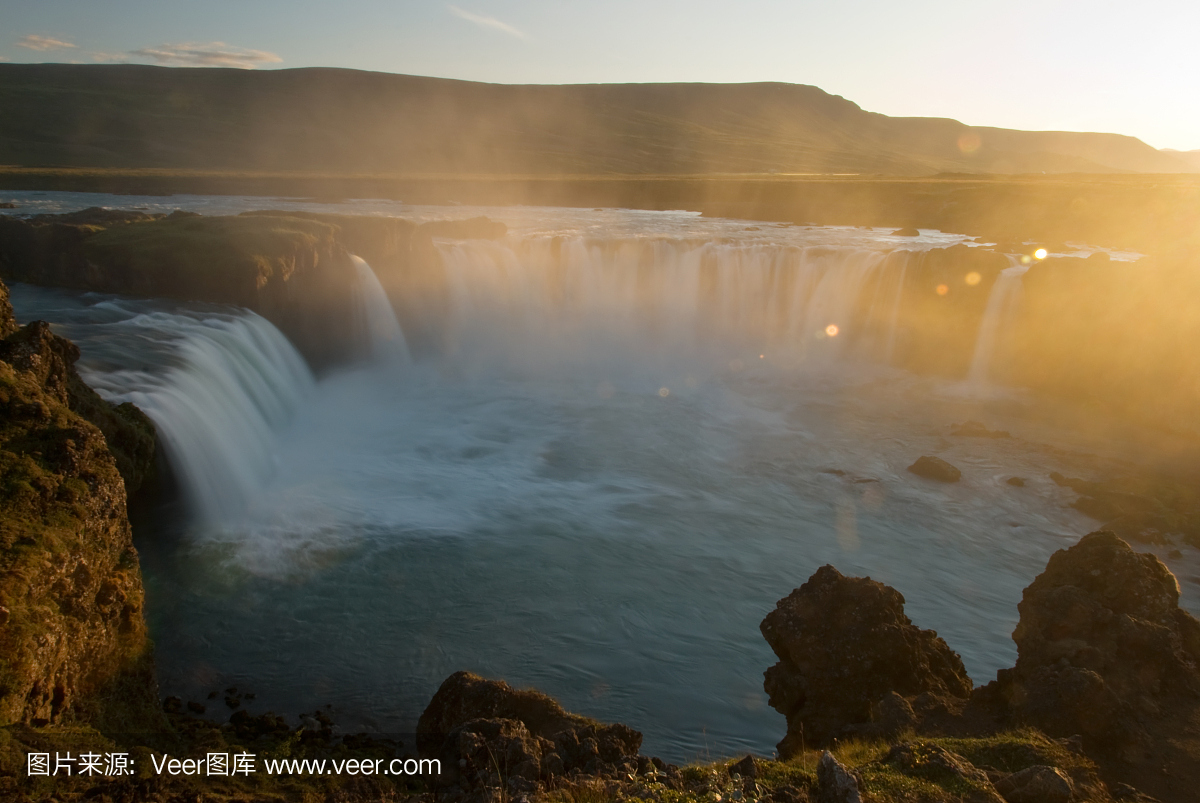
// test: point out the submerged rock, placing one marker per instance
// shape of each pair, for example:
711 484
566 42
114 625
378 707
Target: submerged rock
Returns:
935 468
974 429
844 647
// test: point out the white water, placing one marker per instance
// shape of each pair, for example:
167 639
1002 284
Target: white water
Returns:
546 300
1002 303
530 504
383 335
218 384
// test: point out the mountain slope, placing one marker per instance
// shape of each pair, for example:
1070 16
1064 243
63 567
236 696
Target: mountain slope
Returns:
347 121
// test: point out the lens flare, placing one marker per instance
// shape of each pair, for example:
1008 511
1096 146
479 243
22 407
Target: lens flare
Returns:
664 392
973 278
1041 253
969 143
832 330
942 289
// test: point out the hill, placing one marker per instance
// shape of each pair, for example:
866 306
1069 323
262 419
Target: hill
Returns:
348 121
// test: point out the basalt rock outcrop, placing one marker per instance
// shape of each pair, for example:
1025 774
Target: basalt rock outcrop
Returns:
489 734
1104 651
291 271
73 639
851 663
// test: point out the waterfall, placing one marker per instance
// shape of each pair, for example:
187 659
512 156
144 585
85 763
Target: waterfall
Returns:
232 381
383 335
541 296
1001 304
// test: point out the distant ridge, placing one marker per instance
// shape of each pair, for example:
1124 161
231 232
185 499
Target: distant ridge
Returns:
348 121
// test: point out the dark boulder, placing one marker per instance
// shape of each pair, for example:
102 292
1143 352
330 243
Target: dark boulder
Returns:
746 768
844 646
540 739
1104 651
935 468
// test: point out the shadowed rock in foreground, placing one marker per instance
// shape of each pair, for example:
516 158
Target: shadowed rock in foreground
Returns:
482 728
848 656
1104 651
1107 662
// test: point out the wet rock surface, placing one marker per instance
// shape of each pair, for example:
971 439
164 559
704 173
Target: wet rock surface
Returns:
845 650
935 468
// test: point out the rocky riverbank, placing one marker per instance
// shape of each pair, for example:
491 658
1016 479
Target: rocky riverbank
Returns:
72 636
293 268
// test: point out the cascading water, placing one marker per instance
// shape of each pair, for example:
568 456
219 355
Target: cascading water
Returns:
587 299
383 335
1001 305
531 504
217 384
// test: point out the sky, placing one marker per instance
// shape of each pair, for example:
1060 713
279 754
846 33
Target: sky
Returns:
1122 67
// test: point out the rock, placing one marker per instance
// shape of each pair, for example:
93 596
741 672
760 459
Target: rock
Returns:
172 705
1037 784
291 270
974 429
196 708
844 645
564 742
908 231
232 702
935 468
7 205
1016 482
893 715
70 582
935 763
1104 651
835 783
746 768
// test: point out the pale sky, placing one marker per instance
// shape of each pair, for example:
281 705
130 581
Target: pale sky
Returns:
1129 68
